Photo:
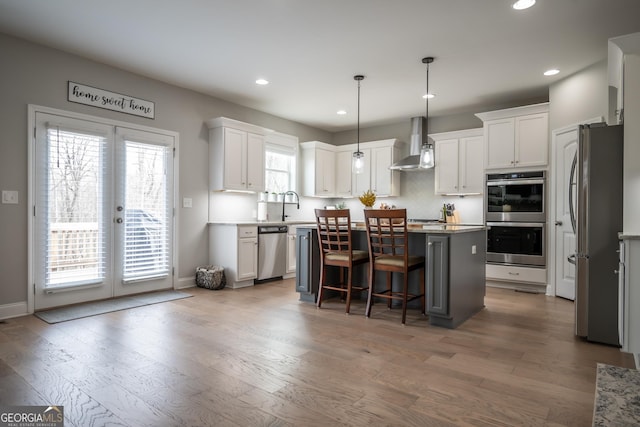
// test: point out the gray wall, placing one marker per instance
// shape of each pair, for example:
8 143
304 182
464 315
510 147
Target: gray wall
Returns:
33 74
579 97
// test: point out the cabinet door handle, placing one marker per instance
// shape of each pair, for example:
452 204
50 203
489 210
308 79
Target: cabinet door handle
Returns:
514 274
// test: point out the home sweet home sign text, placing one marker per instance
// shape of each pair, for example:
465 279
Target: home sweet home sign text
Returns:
87 95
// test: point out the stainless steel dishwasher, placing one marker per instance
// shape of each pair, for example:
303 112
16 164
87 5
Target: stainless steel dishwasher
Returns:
272 251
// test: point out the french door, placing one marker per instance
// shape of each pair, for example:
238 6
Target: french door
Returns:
103 210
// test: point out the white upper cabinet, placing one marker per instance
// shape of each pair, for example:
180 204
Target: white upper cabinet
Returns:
459 166
344 184
384 181
337 180
516 137
236 156
318 169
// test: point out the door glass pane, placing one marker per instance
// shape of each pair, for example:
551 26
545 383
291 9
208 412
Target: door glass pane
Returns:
147 217
75 252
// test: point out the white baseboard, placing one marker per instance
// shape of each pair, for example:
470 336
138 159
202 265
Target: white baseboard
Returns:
15 309
186 282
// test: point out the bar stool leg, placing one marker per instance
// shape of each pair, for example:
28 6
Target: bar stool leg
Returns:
320 287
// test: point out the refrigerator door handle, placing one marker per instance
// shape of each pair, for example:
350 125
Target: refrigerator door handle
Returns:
572 212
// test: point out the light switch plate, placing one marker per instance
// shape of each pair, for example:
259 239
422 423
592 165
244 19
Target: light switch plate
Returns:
9 197
187 202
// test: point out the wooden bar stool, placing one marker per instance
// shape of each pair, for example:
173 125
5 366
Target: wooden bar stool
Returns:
389 252
334 238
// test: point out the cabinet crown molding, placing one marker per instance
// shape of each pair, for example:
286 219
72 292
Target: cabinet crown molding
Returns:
514 112
465 133
236 124
392 142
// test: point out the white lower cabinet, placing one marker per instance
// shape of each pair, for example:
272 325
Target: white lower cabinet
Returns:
629 322
515 277
235 247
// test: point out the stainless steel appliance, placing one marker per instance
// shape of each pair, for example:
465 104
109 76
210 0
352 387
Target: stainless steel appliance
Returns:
516 216
517 243
516 196
597 176
272 251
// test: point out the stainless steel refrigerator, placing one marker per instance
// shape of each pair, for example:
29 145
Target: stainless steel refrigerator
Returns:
597 220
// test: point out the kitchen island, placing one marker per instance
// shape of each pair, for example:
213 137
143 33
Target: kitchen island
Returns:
454 276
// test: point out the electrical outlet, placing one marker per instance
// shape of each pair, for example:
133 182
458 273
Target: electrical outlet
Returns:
9 197
474 250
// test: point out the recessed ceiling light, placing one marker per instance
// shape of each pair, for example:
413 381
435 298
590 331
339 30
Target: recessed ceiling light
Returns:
341 112
428 95
262 82
551 72
523 4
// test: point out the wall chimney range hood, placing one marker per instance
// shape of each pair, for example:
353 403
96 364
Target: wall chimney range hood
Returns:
421 154
412 162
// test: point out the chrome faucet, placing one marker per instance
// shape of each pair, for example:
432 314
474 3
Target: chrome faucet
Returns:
284 197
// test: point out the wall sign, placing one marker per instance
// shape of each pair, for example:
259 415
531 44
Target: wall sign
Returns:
87 95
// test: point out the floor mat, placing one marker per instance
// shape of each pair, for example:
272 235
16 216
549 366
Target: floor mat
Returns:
79 311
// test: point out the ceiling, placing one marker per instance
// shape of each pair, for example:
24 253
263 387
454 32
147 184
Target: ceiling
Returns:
486 53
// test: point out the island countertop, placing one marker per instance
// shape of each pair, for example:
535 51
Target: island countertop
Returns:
430 228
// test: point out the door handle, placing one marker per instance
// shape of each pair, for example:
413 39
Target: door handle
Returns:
558 222
119 220
572 259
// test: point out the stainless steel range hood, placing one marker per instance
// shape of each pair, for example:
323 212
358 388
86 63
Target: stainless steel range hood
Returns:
412 162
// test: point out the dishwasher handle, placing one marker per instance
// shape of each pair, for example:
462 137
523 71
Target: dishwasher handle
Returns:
271 229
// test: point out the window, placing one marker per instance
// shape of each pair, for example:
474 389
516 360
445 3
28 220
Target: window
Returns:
279 168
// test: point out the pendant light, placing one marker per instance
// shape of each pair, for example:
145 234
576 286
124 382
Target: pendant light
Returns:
358 156
427 159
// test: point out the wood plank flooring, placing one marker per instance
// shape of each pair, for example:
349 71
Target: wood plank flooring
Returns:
259 357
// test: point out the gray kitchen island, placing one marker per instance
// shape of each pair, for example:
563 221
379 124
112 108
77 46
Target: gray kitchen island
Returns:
455 271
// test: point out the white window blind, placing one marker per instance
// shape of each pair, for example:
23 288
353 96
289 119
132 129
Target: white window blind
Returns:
72 219
147 218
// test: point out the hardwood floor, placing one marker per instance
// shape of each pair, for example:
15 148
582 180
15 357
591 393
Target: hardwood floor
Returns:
257 356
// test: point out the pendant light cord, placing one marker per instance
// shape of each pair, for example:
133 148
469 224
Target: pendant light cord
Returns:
426 114
428 60
358 136
358 78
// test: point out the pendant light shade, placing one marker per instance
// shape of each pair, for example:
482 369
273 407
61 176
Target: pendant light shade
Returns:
358 156
427 158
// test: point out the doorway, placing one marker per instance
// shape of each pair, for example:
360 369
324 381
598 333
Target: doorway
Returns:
103 223
565 143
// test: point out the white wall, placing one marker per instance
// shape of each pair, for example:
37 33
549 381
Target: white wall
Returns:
631 207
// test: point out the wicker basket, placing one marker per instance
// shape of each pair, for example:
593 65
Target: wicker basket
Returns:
211 277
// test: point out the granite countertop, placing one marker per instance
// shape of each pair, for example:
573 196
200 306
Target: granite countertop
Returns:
423 228
617 399
439 228
628 236
255 222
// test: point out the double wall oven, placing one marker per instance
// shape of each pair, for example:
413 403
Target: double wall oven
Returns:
516 218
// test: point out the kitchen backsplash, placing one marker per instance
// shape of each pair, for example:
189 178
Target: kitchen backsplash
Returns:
417 196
